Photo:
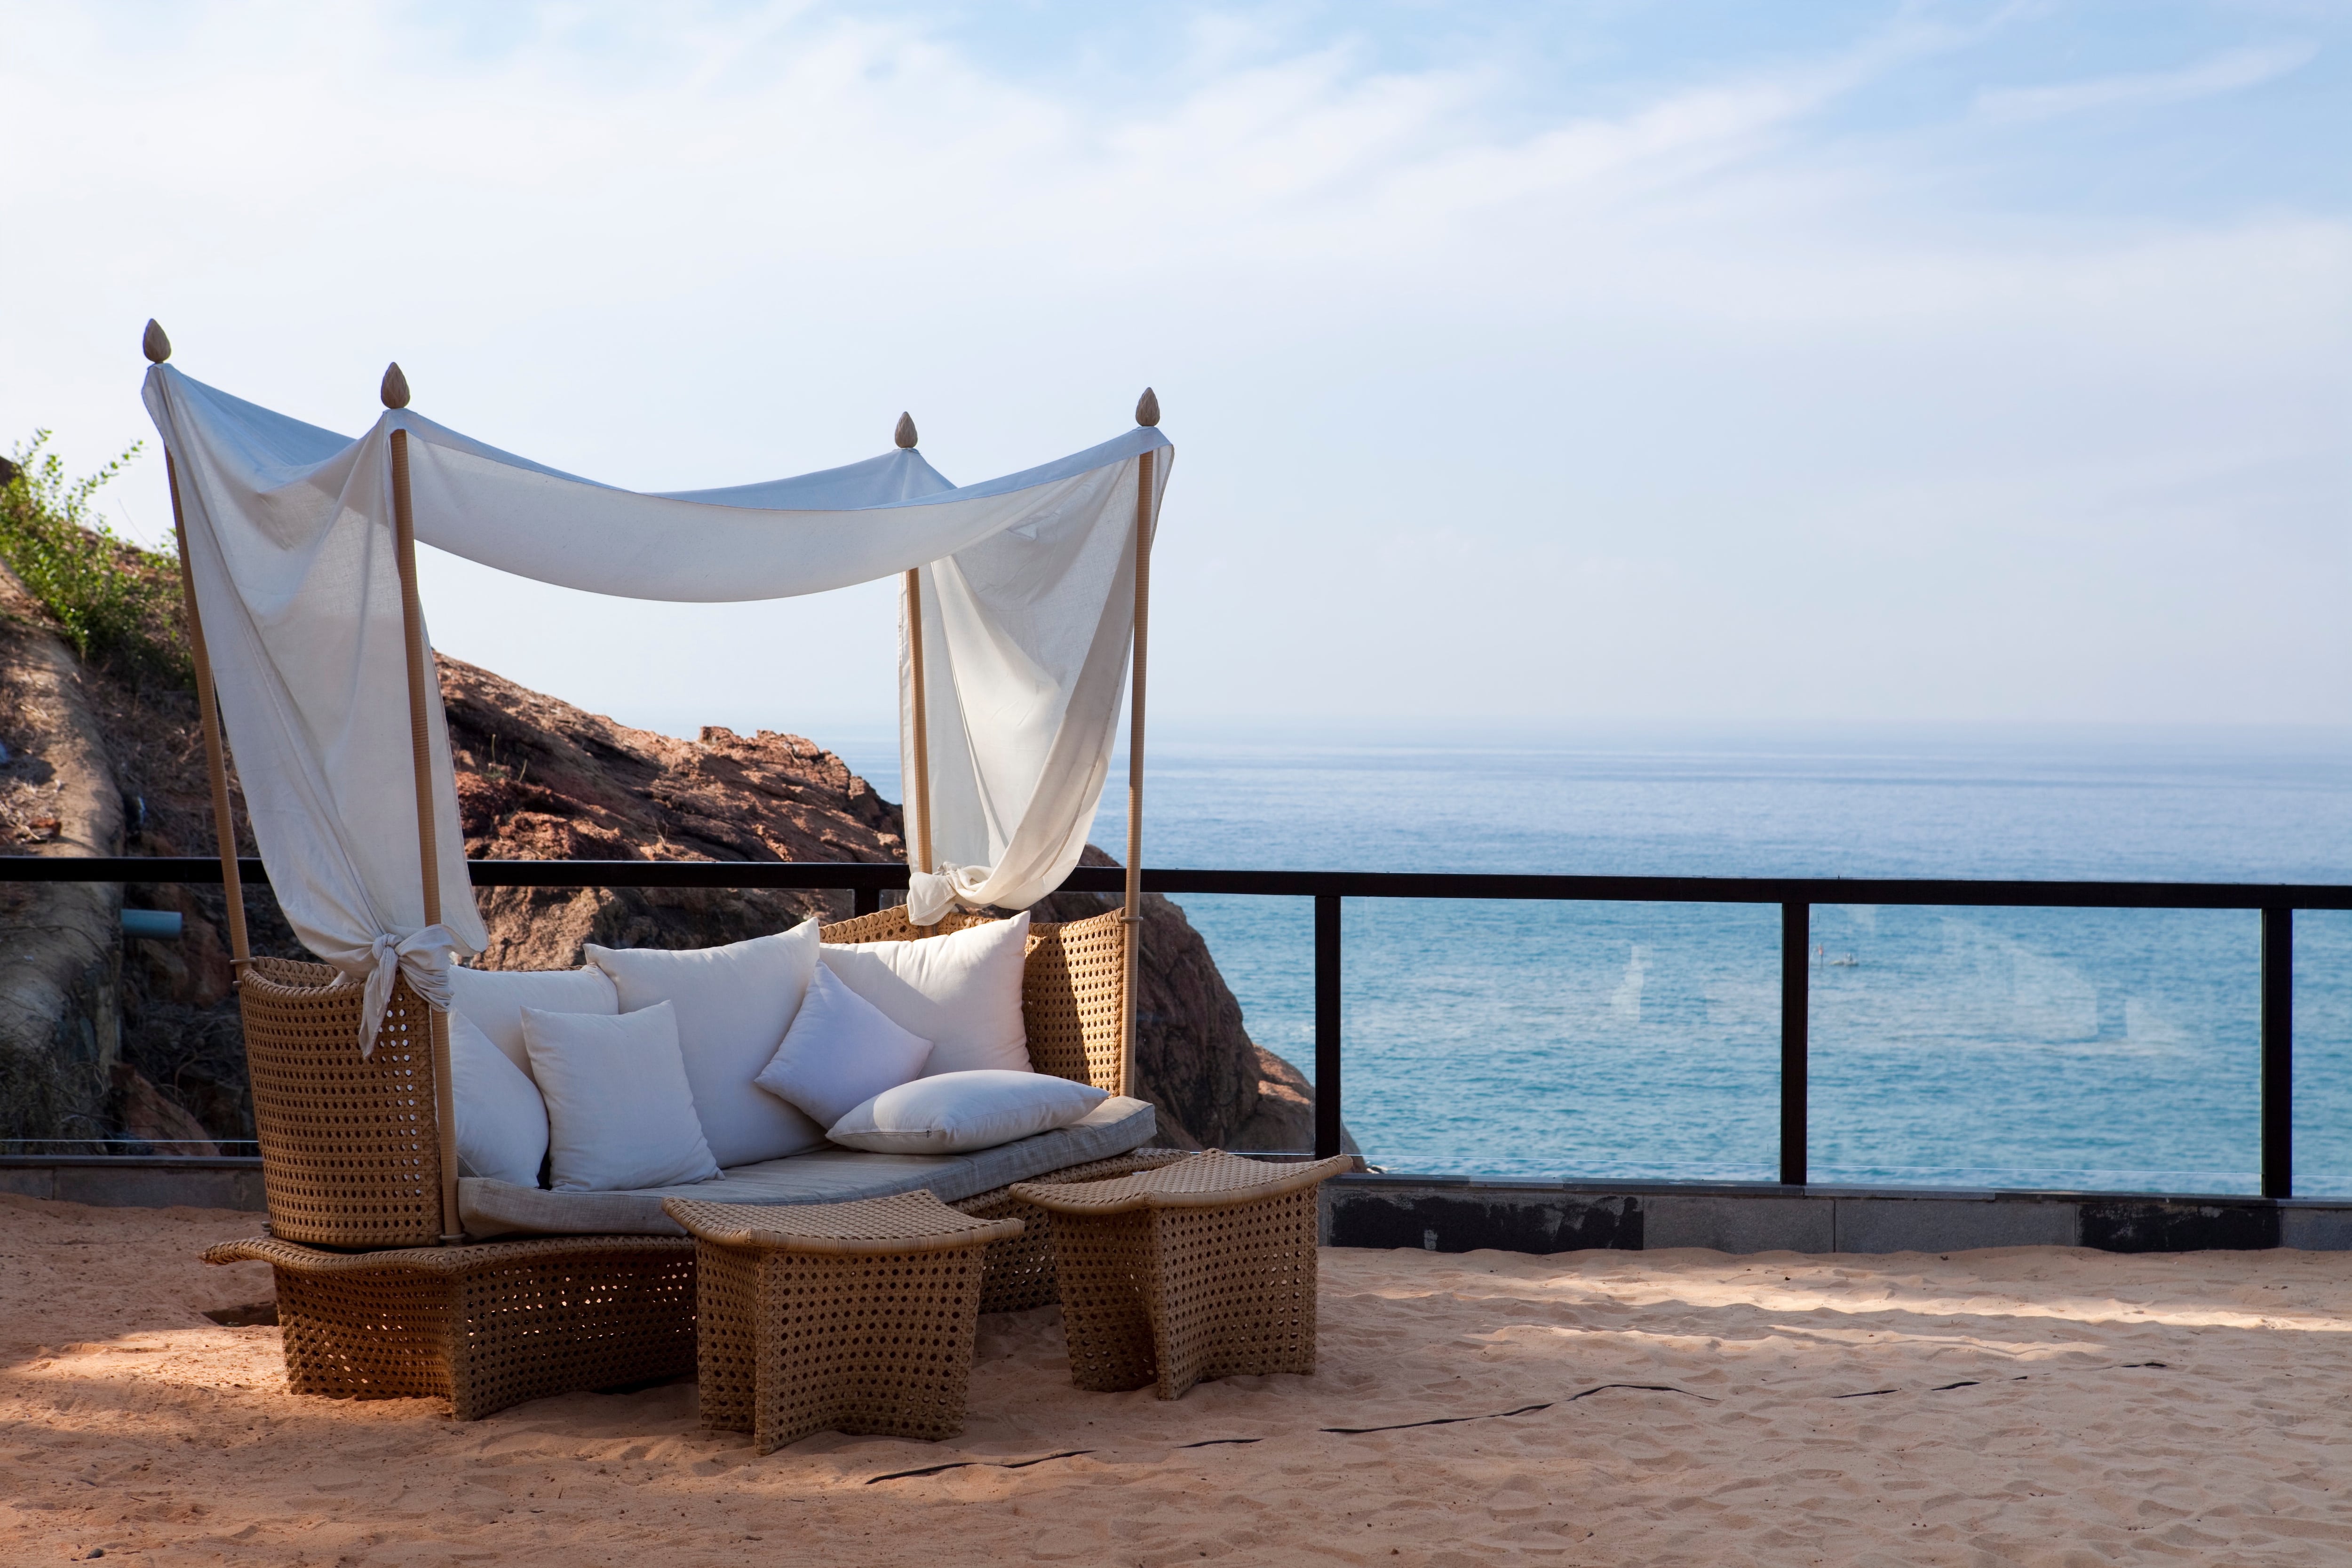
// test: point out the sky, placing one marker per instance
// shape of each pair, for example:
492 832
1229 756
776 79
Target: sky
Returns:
1528 366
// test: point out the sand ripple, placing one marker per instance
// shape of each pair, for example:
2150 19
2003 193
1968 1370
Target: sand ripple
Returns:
2025 1406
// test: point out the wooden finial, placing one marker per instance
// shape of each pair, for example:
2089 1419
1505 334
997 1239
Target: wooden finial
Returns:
1147 408
158 346
905 433
396 386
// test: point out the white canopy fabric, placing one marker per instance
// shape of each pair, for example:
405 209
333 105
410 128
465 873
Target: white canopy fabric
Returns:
1032 627
1028 599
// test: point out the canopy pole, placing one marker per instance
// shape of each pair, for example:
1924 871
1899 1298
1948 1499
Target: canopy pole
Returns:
158 349
918 788
1147 413
420 748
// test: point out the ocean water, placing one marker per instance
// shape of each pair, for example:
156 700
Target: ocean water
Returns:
1978 1047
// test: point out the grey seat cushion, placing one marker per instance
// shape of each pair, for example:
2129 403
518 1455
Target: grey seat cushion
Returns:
824 1176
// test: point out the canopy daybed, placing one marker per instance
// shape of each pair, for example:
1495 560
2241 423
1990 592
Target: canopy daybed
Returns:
1024 617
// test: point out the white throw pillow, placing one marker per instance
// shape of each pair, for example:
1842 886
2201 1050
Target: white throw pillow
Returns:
733 1004
962 992
494 999
619 1114
960 1110
502 1121
841 1050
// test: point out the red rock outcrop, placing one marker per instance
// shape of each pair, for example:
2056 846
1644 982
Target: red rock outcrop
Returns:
540 779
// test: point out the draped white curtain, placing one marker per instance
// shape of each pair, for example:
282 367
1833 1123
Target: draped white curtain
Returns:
1027 638
1028 581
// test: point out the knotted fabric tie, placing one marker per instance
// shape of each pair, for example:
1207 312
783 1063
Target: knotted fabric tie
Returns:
931 896
424 956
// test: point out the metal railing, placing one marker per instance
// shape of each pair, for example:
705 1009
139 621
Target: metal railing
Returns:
866 883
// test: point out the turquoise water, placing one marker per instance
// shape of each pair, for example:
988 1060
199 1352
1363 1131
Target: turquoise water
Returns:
1950 1047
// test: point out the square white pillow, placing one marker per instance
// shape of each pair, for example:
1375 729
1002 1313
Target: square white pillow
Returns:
502 1121
733 1006
962 992
841 1050
956 1112
494 999
619 1114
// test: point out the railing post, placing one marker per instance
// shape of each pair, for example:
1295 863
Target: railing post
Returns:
2278 1053
1326 1025
865 901
1796 952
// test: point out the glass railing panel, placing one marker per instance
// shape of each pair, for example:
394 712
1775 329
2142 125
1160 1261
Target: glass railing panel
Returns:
2323 1053
2100 1050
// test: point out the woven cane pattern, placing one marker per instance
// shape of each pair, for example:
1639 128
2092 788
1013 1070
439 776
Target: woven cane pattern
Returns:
1021 1268
1103 1266
484 1327
903 1222
727 1336
1202 1269
1207 1180
1072 982
1071 992
1233 1292
351 1149
849 1317
875 1345
892 925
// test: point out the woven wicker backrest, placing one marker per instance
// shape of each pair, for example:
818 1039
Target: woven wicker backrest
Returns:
351 1152
1071 986
892 925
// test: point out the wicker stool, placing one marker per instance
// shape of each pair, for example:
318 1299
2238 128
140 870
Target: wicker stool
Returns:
856 1317
1021 1268
484 1327
1202 1269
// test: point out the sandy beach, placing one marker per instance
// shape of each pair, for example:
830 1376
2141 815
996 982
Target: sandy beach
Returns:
2030 1405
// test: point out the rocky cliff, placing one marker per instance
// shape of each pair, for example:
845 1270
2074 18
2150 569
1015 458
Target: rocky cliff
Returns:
102 1036
141 1037
60 956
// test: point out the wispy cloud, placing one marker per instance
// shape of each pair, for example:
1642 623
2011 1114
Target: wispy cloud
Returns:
2232 70
1640 371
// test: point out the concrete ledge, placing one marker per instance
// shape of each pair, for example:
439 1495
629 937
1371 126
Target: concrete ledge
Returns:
2176 1225
1950 1225
137 1181
1516 1221
1462 1214
2314 1228
1728 1224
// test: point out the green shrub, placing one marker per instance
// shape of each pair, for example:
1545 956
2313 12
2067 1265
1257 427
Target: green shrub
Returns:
118 604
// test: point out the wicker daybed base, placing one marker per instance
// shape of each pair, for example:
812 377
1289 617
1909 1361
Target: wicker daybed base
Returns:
491 1325
483 1326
